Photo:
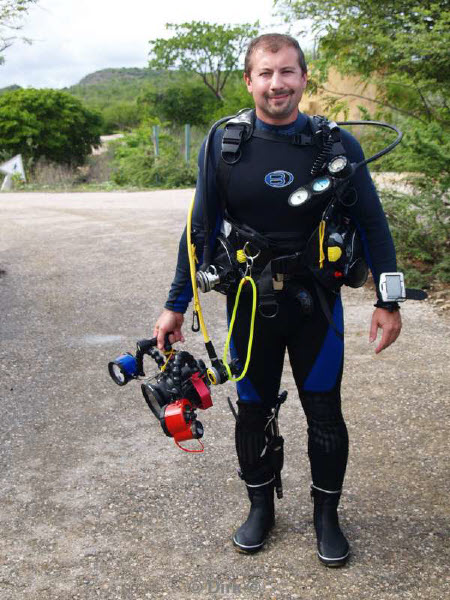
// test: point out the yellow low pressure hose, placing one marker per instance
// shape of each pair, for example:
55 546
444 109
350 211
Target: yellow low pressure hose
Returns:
321 239
230 331
198 309
191 254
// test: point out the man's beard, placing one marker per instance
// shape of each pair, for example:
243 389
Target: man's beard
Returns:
282 110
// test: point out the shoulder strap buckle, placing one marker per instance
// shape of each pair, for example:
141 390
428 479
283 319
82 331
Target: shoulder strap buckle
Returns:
237 130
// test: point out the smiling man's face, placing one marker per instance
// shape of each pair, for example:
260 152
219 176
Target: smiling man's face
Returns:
276 83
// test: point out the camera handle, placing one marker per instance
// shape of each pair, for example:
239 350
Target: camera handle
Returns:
148 347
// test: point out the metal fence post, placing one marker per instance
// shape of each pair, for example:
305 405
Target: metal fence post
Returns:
187 142
156 139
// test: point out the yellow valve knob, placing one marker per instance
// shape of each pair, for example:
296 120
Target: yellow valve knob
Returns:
334 253
212 376
241 257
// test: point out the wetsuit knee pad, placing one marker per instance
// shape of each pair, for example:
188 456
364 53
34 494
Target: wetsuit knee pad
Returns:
326 426
252 417
251 440
322 406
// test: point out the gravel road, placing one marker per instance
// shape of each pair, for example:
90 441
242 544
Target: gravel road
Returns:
97 503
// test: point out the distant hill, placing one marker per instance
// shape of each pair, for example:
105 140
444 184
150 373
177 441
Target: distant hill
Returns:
111 86
105 76
126 76
10 88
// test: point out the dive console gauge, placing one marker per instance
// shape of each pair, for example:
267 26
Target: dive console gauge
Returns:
318 186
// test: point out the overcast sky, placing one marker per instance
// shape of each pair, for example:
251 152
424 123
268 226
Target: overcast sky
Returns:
73 38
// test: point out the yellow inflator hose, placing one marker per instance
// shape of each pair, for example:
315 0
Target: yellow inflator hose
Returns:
321 238
192 261
198 309
230 330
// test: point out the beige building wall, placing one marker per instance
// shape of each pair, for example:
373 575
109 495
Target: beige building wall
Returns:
337 87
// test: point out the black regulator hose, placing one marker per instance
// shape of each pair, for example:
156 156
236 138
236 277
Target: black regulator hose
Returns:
206 248
381 152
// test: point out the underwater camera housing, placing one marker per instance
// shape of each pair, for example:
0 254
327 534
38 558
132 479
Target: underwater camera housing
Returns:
174 394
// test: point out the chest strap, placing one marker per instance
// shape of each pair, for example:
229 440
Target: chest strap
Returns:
299 139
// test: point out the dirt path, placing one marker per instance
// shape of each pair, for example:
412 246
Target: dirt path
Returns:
97 503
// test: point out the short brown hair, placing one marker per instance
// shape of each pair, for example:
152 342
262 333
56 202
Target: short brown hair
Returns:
273 42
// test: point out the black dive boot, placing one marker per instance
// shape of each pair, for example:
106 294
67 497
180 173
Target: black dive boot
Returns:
259 447
332 547
251 536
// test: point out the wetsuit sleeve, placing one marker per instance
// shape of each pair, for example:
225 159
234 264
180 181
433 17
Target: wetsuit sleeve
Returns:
369 216
180 293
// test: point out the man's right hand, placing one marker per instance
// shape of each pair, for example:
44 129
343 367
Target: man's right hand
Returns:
168 321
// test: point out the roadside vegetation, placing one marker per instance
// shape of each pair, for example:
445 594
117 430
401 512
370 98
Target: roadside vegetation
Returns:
194 78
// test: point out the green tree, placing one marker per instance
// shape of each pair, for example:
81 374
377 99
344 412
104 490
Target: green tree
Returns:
210 50
47 123
179 104
11 12
120 116
237 97
400 45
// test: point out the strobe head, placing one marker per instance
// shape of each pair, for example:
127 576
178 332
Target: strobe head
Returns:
123 369
179 421
175 407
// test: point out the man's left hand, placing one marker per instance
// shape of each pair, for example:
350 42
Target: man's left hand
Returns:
390 324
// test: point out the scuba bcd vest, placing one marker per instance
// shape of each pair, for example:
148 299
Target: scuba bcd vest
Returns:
332 253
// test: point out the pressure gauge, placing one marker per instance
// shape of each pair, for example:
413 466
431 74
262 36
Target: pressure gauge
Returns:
321 185
299 197
339 166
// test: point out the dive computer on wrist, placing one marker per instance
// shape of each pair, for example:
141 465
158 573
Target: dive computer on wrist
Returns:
391 288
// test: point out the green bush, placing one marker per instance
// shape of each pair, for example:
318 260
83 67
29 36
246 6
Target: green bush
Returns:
236 98
179 104
172 171
121 116
425 147
135 163
420 226
47 124
133 159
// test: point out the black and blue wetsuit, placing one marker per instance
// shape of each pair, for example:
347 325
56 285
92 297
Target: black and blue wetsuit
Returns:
256 194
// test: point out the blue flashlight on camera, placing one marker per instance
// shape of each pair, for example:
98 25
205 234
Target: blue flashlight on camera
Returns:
123 369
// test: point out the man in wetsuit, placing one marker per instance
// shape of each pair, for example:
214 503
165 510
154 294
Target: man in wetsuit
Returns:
276 76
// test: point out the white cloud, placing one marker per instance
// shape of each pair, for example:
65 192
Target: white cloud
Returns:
75 37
